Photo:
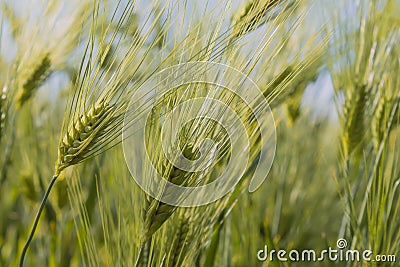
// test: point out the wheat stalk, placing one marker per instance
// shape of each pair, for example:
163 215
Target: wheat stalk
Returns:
94 115
32 71
87 131
79 142
36 221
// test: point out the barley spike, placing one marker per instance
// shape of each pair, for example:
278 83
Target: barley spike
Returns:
81 135
157 213
39 75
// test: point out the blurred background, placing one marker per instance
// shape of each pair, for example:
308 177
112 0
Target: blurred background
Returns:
328 69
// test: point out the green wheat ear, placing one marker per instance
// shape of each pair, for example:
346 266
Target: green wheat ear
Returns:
157 213
378 124
81 135
354 125
38 76
255 13
15 22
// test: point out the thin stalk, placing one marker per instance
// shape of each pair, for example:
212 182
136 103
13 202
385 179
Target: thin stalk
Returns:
143 255
36 221
139 255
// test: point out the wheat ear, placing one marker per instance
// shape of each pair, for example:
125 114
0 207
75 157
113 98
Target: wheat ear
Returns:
255 13
378 123
156 212
354 109
82 134
34 80
76 145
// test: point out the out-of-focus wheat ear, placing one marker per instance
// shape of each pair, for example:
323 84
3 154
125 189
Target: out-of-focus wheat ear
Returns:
255 13
14 21
33 81
176 252
378 123
293 108
288 86
157 213
354 125
384 119
293 101
283 77
82 133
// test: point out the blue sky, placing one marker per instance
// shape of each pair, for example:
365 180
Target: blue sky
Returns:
319 96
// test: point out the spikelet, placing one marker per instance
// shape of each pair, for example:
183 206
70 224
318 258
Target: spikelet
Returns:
81 135
354 111
156 212
34 80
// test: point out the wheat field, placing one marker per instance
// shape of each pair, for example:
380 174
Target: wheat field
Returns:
199 133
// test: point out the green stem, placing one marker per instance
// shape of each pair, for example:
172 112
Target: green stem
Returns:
139 256
36 221
143 255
